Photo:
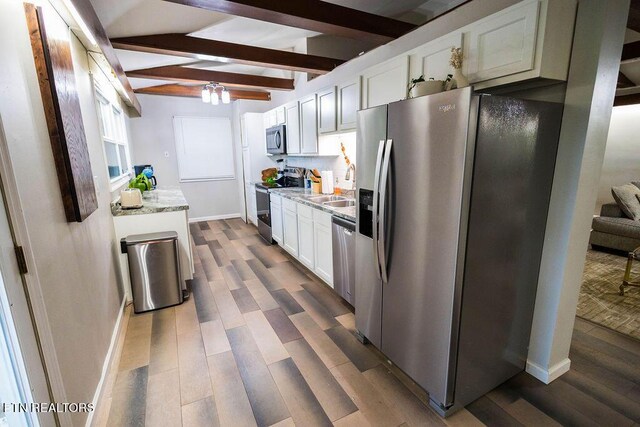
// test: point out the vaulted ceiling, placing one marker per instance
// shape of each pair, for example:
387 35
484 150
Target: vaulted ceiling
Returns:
226 41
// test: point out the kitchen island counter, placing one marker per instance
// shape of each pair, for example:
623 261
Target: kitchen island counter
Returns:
167 199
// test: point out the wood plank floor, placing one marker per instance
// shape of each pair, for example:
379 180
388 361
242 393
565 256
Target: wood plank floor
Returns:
263 342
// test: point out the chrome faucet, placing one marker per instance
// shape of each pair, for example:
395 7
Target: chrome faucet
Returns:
347 177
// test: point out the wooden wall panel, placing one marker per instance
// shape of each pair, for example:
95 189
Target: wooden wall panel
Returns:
54 66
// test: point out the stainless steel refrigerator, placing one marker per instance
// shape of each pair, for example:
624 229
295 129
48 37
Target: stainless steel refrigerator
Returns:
453 193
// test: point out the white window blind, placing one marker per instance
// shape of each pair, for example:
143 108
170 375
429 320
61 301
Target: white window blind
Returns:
204 148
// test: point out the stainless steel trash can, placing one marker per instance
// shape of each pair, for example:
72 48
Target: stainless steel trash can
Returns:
154 269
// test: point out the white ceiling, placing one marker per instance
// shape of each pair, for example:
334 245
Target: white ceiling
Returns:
124 18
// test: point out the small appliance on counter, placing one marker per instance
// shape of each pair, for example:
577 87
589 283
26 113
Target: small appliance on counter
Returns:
131 198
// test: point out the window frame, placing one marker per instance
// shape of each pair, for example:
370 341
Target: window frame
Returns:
116 134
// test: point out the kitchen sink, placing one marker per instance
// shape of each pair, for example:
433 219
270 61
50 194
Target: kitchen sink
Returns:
344 203
325 199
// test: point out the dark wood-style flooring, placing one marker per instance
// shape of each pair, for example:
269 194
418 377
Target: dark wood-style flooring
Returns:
263 342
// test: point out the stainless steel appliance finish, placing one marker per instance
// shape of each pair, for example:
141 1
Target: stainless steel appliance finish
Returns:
428 231
263 207
370 136
277 140
154 270
344 254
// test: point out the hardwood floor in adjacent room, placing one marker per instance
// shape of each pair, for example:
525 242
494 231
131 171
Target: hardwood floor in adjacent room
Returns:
263 342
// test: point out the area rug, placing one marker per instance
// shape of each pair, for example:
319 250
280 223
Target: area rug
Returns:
599 299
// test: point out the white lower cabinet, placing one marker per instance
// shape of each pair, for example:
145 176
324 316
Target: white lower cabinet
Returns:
323 246
252 212
276 219
305 235
290 227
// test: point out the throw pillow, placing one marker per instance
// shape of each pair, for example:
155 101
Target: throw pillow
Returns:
625 197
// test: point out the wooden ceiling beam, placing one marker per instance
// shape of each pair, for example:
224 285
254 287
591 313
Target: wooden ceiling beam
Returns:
314 15
196 92
626 99
631 51
178 73
194 47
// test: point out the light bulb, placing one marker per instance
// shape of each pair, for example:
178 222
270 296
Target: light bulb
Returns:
206 95
215 99
226 97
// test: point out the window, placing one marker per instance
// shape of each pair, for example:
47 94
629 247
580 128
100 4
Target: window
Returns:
114 137
204 148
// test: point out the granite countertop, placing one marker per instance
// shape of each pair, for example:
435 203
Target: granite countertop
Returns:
303 195
166 199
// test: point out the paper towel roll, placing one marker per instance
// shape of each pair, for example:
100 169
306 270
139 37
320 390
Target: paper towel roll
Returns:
327 182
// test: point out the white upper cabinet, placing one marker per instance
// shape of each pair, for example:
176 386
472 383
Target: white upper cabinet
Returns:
292 117
348 104
432 59
280 116
386 82
503 44
327 110
308 125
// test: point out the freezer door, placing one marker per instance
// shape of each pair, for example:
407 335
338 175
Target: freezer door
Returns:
371 130
427 193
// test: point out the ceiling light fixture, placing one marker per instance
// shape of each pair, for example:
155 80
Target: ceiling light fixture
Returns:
210 94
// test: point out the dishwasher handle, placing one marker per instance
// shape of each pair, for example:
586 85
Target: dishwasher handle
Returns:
344 223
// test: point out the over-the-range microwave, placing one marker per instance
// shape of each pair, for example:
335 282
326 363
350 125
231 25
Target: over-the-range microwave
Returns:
277 140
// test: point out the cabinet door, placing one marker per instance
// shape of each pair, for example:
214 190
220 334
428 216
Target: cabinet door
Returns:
276 222
432 59
503 43
290 231
305 241
323 252
252 211
280 116
386 82
348 104
327 109
308 125
293 128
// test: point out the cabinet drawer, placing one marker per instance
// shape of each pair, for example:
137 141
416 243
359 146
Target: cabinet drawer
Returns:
289 205
322 218
305 211
276 200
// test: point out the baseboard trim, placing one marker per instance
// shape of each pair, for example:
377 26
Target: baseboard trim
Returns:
106 366
548 375
214 217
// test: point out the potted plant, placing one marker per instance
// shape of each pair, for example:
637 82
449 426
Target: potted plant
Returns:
420 86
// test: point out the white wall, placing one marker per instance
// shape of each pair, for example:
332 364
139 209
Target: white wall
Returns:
152 135
622 155
75 263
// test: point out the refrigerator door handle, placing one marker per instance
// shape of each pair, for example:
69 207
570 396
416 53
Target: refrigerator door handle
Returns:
382 244
376 198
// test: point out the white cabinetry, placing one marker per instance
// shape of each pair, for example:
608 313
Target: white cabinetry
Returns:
290 226
270 119
348 104
386 82
308 125
327 110
323 246
292 117
305 235
252 210
280 116
432 59
276 218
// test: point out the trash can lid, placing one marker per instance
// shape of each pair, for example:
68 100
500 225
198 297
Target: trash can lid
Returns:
150 237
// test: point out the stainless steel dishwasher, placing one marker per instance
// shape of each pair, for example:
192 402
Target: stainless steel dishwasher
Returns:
344 258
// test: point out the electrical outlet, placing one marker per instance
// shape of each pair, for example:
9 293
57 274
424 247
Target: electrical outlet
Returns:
166 154
337 180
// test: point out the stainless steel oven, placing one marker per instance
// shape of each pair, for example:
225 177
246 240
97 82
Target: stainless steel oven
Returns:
263 205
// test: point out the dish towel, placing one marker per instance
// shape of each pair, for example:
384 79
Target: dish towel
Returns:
327 182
